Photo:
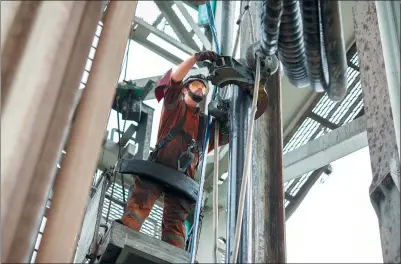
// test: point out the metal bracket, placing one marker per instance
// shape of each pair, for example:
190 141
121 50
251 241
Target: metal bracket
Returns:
268 64
385 198
228 71
219 108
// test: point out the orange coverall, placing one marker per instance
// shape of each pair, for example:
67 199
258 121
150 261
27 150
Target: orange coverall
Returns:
145 193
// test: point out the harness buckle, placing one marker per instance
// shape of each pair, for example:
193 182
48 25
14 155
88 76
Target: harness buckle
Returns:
169 136
191 144
185 160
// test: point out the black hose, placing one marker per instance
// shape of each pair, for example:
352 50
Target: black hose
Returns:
316 66
291 51
325 48
310 43
335 49
270 30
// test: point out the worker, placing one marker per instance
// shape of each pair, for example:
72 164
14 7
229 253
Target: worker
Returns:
181 150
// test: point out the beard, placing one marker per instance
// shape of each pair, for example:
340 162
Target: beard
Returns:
197 96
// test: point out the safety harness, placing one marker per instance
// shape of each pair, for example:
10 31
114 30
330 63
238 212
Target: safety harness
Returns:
185 159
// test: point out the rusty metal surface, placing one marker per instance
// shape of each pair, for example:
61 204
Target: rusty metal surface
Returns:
381 134
268 236
275 220
385 199
380 125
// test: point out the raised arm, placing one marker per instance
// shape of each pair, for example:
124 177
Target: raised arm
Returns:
187 65
170 84
183 69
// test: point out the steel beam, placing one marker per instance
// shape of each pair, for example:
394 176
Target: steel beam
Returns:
140 36
325 149
388 13
296 201
54 108
157 21
225 12
175 22
275 251
68 204
195 28
380 126
323 121
151 29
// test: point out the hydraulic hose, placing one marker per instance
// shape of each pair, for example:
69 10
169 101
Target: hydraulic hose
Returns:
325 48
291 45
309 39
270 30
316 64
335 49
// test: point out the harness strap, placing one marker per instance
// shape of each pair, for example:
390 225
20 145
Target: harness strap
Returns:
173 132
179 129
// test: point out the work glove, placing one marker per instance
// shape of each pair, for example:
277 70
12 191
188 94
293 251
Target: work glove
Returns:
207 55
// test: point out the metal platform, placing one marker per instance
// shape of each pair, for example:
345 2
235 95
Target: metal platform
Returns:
124 245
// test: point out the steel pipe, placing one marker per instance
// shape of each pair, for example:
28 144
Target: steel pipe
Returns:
70 196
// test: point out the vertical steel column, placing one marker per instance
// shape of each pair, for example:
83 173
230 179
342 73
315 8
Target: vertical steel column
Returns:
34 206
30 55
226 32
275 220
73 180
239 106
384 190
268 222
240 103
390 36
225 19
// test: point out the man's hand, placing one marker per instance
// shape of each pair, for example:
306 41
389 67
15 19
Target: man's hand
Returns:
206 55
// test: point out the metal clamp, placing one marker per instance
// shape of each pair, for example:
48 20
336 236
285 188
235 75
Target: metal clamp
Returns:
228 71
268 64
219 108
